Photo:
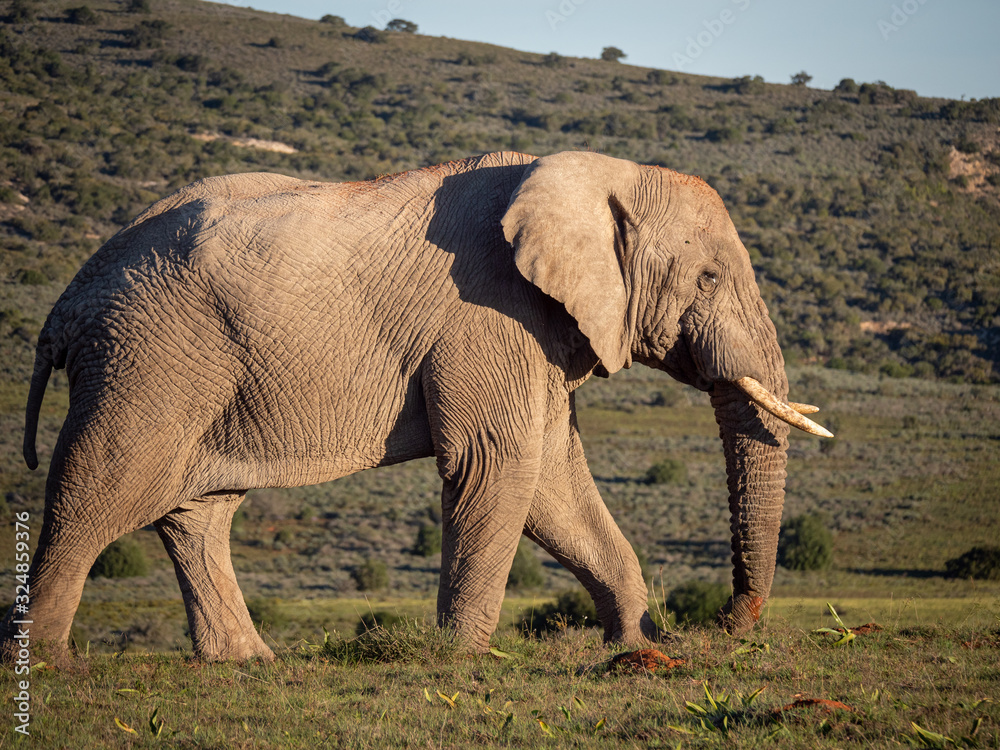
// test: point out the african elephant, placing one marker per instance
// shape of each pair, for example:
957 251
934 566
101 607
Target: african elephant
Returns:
256 331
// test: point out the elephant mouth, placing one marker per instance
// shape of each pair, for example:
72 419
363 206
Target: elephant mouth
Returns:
792 413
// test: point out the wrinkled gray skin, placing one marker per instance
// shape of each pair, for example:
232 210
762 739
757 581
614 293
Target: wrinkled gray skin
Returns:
260 331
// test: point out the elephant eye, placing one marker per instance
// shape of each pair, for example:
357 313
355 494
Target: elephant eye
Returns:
708 281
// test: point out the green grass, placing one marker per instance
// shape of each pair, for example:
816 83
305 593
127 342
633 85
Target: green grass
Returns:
554 692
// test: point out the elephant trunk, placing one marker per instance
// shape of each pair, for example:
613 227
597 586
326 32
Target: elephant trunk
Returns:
755 445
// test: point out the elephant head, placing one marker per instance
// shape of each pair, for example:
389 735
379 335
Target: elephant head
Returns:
649 264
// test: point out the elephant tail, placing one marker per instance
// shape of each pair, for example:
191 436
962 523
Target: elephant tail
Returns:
39 379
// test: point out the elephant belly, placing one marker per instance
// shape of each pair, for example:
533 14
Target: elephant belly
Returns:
291 424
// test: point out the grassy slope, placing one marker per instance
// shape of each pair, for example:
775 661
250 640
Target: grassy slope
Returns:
552 693
848 208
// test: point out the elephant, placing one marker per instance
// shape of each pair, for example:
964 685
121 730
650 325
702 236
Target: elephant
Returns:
256 330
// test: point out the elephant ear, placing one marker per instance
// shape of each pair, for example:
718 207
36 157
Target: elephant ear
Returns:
563 221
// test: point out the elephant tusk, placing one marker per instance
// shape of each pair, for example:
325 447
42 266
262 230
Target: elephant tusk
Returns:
803 408
766 401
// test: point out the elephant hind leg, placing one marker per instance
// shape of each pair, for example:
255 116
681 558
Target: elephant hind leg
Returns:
51 594
196 535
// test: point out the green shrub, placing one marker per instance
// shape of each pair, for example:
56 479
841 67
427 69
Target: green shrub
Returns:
138 6
573 608
805 544
668 471
428 542
371 575
333 20
526 570
697 602
31 277
980 563
82 15
266 612
122 558
380 619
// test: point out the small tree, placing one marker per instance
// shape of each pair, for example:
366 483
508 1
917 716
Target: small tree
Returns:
428 541
526 571
371 575
333 20
122 558
612 54
697 602
801 78
400 24
805 544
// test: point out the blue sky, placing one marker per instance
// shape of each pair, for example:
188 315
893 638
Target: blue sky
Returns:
945 48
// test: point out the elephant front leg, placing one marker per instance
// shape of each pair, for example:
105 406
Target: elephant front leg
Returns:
196 536
482 526
569 519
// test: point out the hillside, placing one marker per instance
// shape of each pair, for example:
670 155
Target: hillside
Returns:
872 216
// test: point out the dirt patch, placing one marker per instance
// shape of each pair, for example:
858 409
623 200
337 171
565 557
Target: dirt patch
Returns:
973 168
645 660
882 326
262 145
868 627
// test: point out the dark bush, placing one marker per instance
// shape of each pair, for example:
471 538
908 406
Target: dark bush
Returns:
668 471
138 6
979 563
370 34
805 544
31 277
371 575
147 34
81 15
573 608
846 86
380 619
526 571
553 60
122 558
801 78
724 135
428 541
697 602
333 20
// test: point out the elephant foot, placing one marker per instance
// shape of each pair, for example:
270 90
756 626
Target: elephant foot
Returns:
740 614
243 648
